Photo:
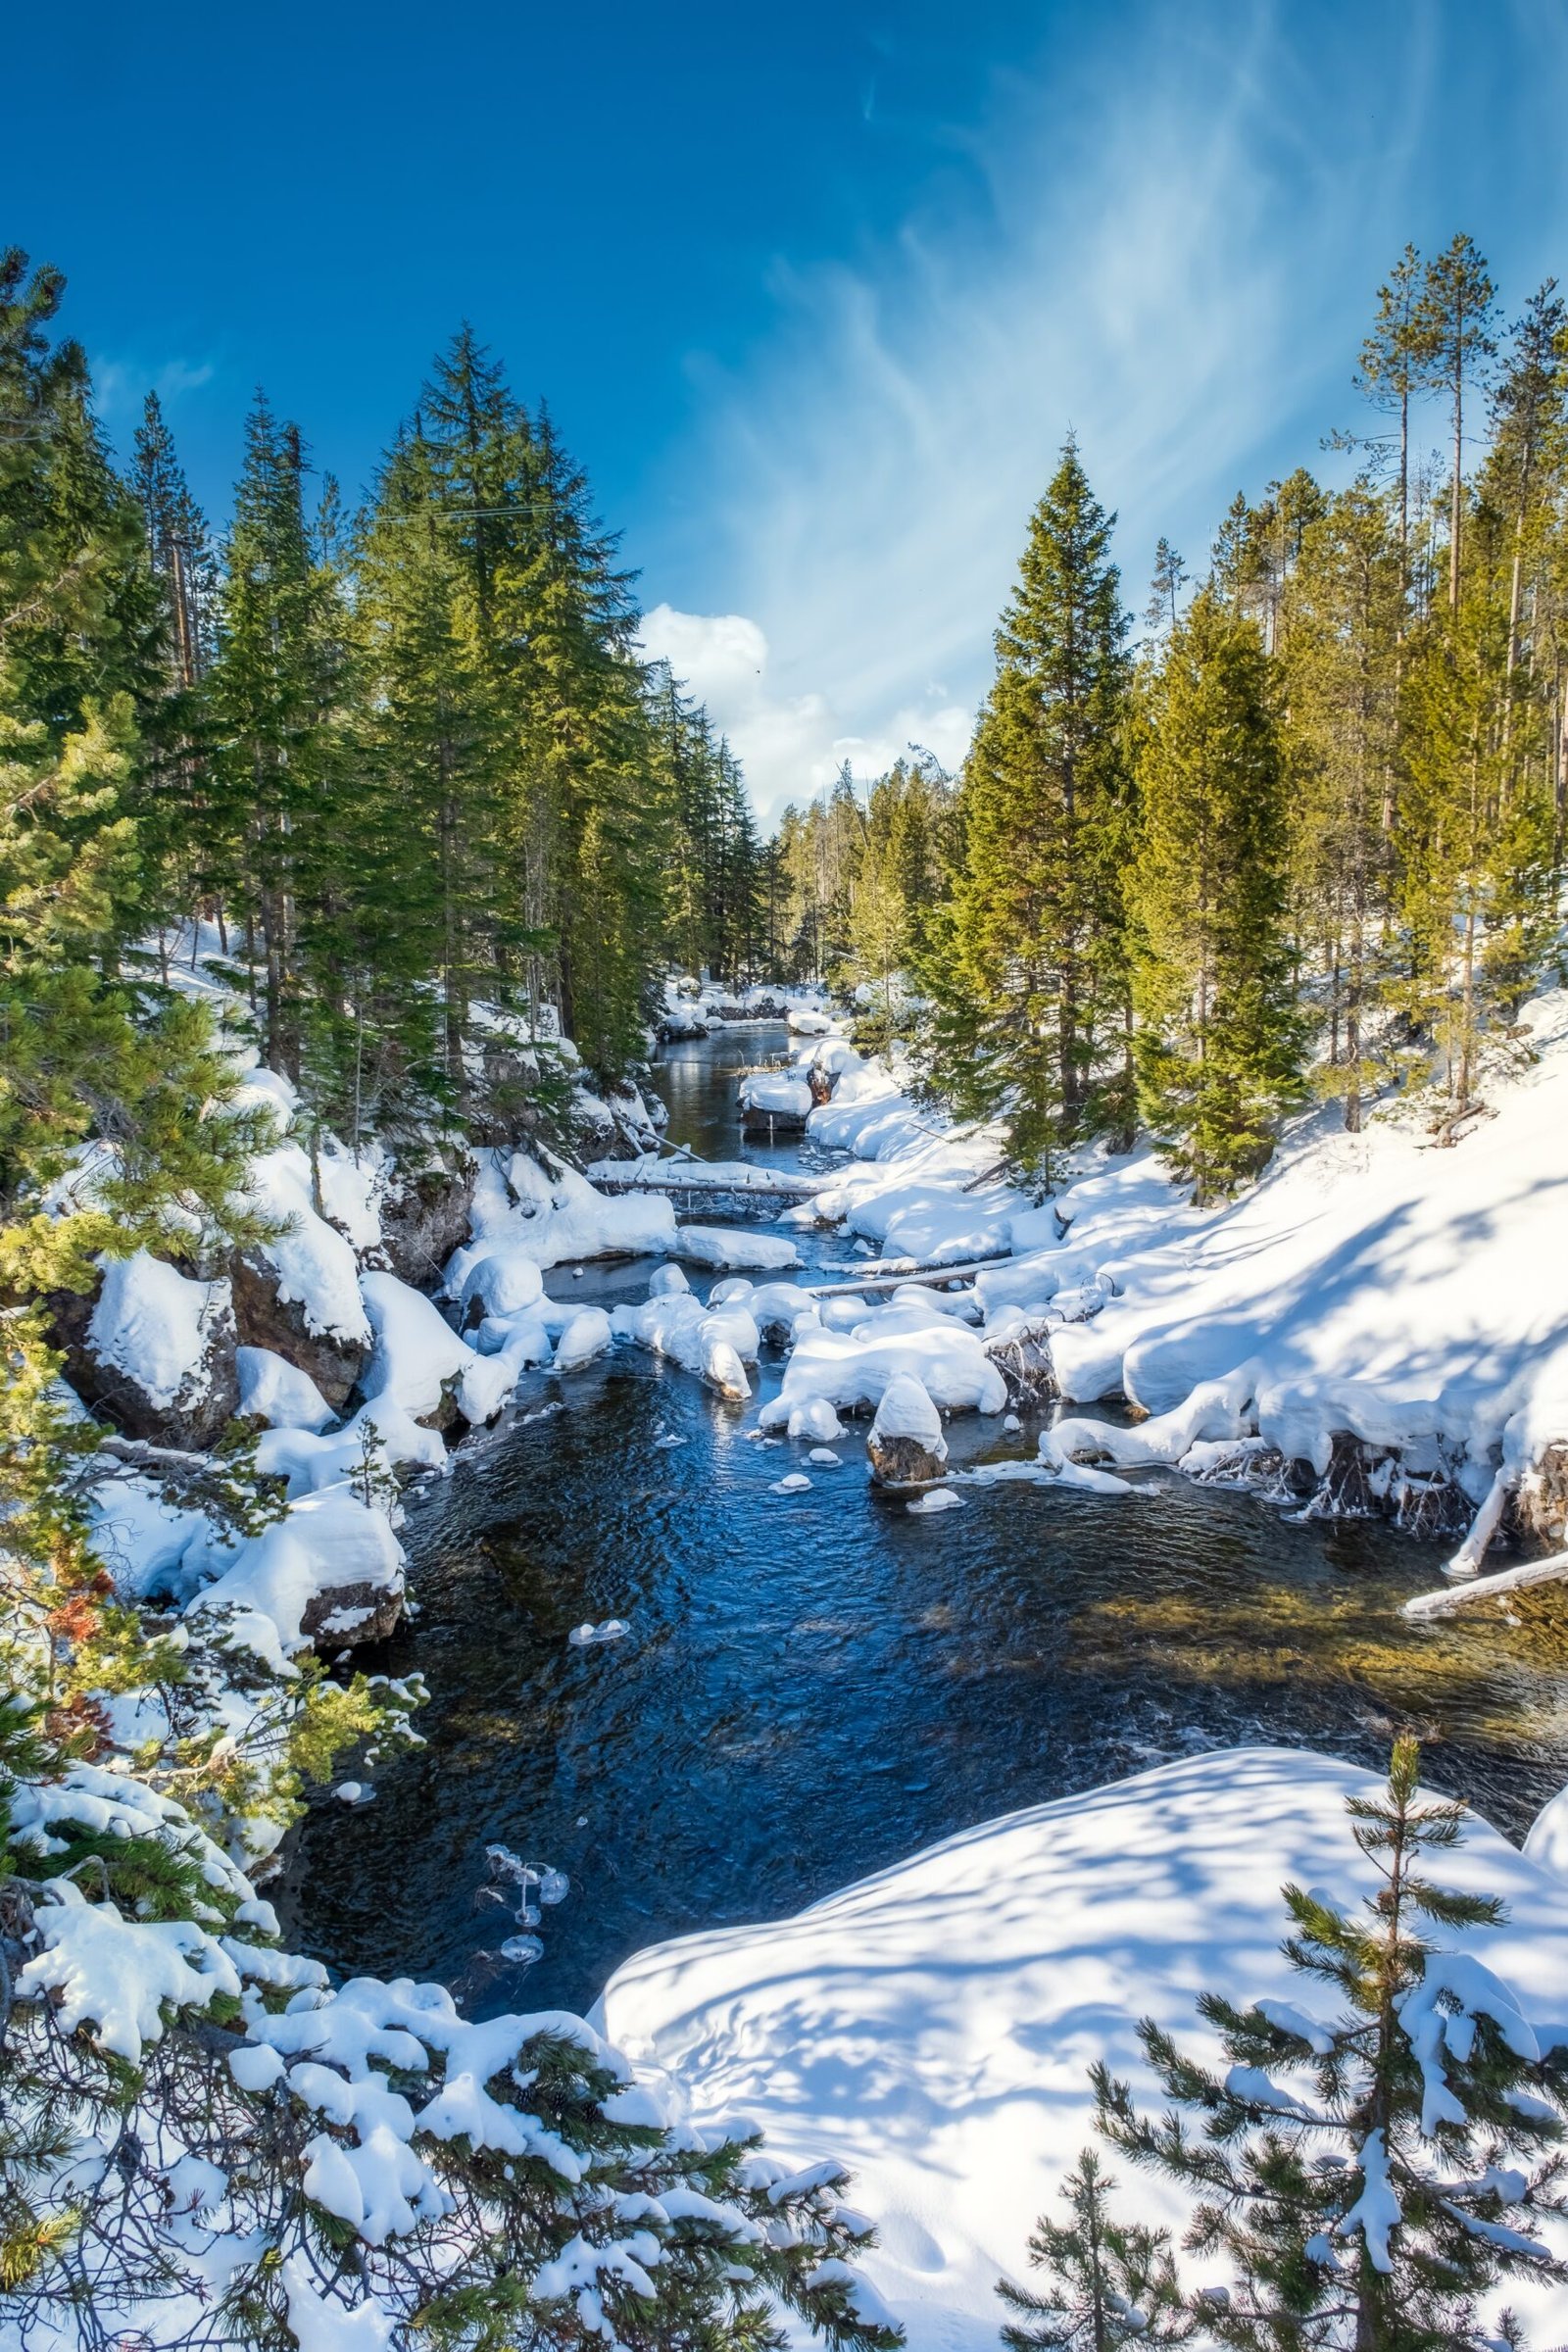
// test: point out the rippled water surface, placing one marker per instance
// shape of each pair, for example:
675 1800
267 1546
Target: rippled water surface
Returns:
816 1685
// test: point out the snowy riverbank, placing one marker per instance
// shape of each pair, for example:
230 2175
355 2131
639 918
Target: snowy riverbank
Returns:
933 2027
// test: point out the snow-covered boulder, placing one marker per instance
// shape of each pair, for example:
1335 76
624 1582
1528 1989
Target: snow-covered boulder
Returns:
278 1392
330 1571
775 1097
907 1445
504 1280
729 1246
420 1364
154 1350
587 1334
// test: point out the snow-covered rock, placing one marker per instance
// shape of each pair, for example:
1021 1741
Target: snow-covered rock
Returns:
907 1445
933 2027
851 1369
776 1095
587 1334
421 1365
813 1417
278 1392
330 1571
715 1343
736 1245
156 1351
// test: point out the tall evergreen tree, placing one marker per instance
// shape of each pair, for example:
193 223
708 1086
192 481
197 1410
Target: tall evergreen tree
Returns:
1219 1045
1455 324
1345 609
1035 987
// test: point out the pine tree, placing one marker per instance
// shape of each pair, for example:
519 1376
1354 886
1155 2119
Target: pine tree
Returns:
1163 609
1109 2283
1454 321
1218 1046
1394 362
273 694
1035 983
1344 611
1370 2174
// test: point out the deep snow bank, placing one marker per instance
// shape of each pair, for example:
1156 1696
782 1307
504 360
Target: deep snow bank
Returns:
933 2025
1411 1296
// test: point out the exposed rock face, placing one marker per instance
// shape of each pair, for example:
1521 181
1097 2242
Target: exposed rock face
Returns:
1540 1507
1023 1358
265 1319
424 1218
191 1407
345 1615
907 1445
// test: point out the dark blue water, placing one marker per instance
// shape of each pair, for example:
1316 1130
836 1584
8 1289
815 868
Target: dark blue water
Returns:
814 1686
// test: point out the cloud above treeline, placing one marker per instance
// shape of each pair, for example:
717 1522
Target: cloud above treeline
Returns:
1166 237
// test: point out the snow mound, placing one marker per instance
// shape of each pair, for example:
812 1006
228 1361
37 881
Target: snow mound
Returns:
278 1392
933 2027
851 1369
153 1324
715 1344
734 1246
417 1358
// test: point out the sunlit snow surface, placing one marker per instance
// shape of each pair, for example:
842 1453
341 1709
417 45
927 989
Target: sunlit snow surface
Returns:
933 2025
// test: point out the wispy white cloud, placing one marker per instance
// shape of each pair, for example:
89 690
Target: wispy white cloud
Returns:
120 386
1168 240
791 745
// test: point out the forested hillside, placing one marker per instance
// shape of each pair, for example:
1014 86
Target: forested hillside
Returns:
1303 836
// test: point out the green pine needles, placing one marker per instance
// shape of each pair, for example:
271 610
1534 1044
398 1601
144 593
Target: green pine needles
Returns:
1370 2173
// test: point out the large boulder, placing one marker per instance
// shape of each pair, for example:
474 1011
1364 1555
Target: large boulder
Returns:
267 1317
907 1445
424 1217
153 1351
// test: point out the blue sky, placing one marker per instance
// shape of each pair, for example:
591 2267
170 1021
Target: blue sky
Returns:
813 290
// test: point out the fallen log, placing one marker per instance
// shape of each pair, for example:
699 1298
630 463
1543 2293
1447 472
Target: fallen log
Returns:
1448 1602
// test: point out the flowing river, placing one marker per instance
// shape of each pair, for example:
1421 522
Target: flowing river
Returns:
816 1685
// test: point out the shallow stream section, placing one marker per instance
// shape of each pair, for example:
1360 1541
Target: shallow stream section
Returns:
815 1685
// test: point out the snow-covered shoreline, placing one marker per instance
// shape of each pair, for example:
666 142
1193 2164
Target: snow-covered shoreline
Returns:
933 2025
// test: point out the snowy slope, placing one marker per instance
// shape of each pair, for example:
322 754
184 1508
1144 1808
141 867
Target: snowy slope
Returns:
933 2025
1380 1285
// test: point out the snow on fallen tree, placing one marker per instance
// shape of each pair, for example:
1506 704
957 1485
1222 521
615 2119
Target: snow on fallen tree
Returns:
851 1369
